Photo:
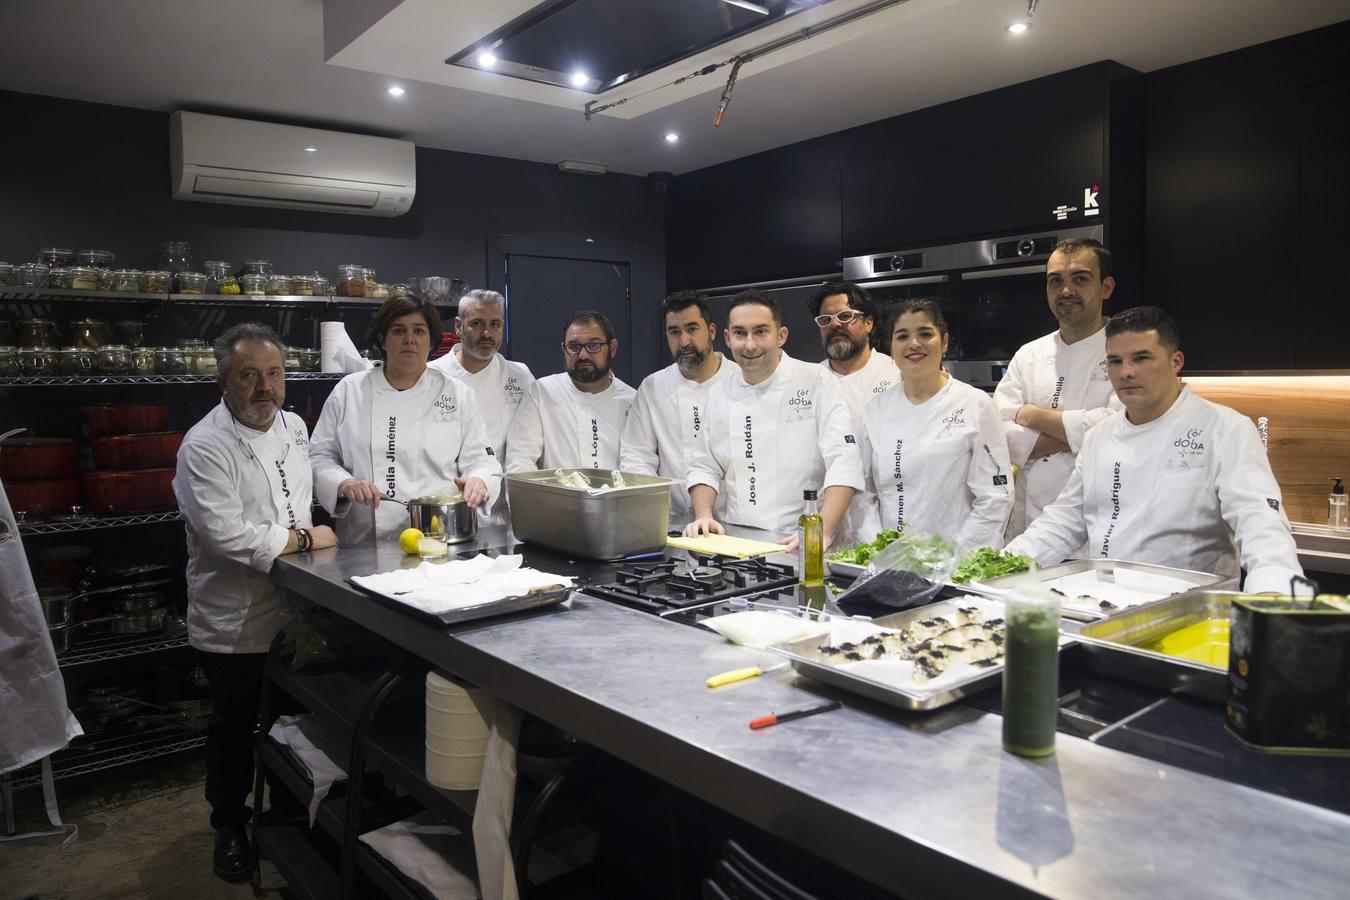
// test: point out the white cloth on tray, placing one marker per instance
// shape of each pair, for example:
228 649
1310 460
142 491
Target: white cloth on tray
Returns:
418 847
303 735
439 587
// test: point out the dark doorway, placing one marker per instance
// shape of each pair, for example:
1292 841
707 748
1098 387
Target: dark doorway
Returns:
540 293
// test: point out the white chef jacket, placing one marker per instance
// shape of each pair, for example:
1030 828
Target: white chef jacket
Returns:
766 443
499 387
32 691
858 388
1189 490
240 491
940 466
666 420
560 427
411 443
1051 374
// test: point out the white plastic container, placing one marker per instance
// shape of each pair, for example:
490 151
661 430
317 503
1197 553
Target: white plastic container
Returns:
456 733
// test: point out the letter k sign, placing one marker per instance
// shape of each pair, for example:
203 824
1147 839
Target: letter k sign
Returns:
1090 205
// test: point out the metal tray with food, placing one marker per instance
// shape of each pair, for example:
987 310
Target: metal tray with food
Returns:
1176 644
918 659
1092 589
504 606
581 512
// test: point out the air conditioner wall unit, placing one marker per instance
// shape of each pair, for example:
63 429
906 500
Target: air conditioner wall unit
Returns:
215 159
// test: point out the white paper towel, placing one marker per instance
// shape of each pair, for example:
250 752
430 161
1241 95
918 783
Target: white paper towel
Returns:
337 353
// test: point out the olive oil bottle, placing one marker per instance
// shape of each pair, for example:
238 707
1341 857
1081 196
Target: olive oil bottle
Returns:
810 542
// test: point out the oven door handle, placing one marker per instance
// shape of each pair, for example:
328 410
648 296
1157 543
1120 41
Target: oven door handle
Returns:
999 273
897 282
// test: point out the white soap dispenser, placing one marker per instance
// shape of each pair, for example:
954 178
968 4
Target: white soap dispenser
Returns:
1338 512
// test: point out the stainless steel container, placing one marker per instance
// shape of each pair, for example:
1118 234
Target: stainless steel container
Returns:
1104 571
591 524
453 523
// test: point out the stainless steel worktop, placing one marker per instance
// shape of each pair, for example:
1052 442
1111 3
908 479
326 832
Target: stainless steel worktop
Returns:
924 804
1322 549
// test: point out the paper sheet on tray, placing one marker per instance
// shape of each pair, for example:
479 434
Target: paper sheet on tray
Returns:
441 587
1130 587
761 628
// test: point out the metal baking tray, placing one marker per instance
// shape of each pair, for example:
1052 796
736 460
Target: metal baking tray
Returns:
502 607
1194 580
806 659
1110 646
608 525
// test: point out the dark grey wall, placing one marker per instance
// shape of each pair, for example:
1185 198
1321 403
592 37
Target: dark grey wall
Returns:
86 175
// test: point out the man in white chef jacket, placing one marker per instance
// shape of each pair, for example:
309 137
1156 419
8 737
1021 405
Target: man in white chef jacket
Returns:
243 486
847 319
671 405
1173 479
777 427
574 419
499 384
1056 387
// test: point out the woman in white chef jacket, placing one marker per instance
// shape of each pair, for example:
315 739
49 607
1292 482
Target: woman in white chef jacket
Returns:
399 430
932 446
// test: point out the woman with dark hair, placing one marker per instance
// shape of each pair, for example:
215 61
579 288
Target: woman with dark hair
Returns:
399 430
932 447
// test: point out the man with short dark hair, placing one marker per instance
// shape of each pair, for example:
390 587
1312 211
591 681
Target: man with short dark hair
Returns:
777 427
244 487
1172 479
574 419
1056 387
671 405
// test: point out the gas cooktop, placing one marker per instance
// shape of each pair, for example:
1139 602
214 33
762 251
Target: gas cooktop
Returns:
668 585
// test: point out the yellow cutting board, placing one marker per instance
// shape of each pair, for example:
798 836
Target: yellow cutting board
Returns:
724 544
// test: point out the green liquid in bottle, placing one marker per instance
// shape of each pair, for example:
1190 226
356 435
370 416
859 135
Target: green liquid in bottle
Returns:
810 543
1031 681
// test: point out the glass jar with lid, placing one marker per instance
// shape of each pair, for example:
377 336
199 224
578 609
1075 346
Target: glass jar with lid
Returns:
37 333
192 282
200 361
310 360
55 257
58 278
35 362
9 362
253 284
31 275
96 259
175 256
279 285
169 361
377 289
77 361
113 359
126 281
295 359
143 360
302 286
216 270
6 274
351 281
156 281
130 332
83 278
258 267
322 286
89 333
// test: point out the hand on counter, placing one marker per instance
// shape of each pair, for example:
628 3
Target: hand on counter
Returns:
475 490
363 492
702 526
321 537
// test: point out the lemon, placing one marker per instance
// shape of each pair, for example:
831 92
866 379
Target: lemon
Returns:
430 548
436 525
407 541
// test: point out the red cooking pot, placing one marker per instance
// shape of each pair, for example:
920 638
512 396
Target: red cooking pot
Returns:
37 459
124 493
44 498
136 451
126 418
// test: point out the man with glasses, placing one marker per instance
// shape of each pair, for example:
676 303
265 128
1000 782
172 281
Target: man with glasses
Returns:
573 420
846 317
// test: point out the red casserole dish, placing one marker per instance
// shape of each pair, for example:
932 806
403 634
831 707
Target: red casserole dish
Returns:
44 498
126 418
124 493
136 451
37 459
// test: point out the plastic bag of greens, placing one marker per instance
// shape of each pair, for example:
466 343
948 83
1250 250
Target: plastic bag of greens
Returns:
907 572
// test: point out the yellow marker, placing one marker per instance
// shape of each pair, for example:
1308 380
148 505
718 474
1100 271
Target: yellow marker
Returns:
741 675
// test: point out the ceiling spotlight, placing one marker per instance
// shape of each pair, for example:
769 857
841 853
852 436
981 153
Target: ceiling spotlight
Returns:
311 149
1019 27
672 137
579 79
396 91
486 60
747 5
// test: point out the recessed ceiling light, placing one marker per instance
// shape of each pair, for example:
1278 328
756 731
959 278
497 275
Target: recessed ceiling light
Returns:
486 60
396 91
580 79
590 240
747 5
311 149
1019 27
672 137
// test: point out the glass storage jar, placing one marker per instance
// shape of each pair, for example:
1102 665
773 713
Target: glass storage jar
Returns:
227 285
176 256
169 361
201 361
55 257
6 274
192 282
38 361
113 359
77 361
351 281
143 360
9 362
310 360
126 281
302 286
37 333
279 285
295 359
322 286
83 278
130 332
258 267
216 271
89 333
253 285
97 259
156 281
58 278
377 289
31 275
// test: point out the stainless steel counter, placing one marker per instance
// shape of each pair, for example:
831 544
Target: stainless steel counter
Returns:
924 804
1322 549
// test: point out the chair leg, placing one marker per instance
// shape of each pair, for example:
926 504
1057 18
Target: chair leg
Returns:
529 825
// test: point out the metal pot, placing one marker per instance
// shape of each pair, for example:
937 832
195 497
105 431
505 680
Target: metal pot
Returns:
139 602
144 622
453 522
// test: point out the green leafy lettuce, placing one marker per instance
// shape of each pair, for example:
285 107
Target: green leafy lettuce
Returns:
986 563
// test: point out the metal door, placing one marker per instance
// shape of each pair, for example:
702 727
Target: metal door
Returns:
541 291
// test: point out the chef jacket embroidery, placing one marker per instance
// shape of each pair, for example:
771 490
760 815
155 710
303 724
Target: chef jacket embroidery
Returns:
1189 450
800 406
445 408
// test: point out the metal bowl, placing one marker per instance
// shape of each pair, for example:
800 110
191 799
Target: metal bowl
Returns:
453 523
435 288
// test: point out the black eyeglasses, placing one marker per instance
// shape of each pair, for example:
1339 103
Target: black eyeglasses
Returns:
843 317
591 347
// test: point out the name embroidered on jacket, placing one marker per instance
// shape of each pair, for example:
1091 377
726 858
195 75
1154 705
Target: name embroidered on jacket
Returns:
389 453
1115 510
1059 389
899 483
286 492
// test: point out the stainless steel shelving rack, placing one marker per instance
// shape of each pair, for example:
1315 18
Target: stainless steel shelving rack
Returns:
93 523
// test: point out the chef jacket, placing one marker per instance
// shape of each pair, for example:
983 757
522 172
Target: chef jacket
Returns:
663 427
1051 374
858 388
1190 490
240 491
32 691
560 427
499 387
940 466
410 443
766 443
